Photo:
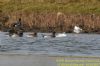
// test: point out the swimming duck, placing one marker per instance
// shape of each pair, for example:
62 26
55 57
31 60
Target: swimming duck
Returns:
34 34
14 33
77 29
53 35
61 34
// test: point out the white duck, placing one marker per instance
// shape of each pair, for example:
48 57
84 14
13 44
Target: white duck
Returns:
46 36
61 34
53 35
14 35
77 29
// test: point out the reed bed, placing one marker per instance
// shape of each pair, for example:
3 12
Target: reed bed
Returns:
52 15
64 22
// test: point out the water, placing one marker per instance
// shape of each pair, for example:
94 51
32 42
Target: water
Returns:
72 45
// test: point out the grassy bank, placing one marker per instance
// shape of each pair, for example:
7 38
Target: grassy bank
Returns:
68 6
43 15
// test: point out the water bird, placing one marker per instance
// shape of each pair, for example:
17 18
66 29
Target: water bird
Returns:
77 29
34 34
46 36
53 35
17 24
14 33
61 34
16 29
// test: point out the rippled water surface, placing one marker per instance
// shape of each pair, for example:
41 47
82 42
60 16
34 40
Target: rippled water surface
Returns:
72 45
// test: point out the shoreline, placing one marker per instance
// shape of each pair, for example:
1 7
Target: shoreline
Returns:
44 60
48 55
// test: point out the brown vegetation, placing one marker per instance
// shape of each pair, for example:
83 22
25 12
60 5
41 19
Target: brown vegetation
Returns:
51 15
52 21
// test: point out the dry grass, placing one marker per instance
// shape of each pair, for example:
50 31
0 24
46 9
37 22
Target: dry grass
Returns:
67 6
55 22
53 15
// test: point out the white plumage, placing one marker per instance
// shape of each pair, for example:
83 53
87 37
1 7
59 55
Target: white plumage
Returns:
56 35
77 29
61 35
14 35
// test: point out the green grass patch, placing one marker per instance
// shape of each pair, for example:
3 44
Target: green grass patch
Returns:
47 6
77 62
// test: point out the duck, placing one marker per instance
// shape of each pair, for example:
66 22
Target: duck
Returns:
61 34
16 29
14 33
53 35
46 36
34 34
77 29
